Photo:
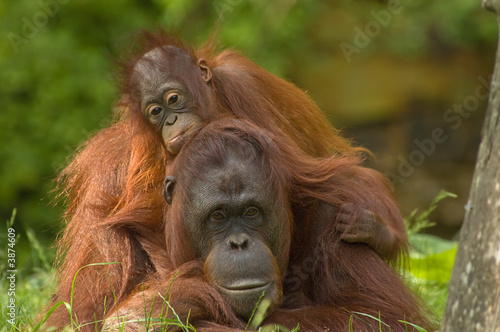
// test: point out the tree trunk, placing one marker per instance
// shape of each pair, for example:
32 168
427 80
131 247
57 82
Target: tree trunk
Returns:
474 294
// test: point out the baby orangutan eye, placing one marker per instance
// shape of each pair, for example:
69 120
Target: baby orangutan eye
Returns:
172 98
154 110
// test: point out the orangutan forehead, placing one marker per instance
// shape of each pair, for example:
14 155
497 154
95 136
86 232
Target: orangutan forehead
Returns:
159 66
163 58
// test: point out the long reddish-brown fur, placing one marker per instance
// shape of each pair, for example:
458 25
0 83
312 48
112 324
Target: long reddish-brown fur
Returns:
340 284
113 185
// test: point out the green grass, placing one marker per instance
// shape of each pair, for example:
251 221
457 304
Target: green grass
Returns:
431 259
34 281
428 274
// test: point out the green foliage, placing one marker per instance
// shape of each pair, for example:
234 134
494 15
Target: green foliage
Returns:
419 27
416 223
431 259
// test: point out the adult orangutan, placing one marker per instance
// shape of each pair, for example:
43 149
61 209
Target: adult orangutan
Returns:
116 179
229 233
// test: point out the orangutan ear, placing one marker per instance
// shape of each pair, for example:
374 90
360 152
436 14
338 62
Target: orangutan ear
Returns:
168 188
206 73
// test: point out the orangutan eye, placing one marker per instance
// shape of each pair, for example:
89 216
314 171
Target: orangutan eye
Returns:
172 98
251 212
154 110
217 216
